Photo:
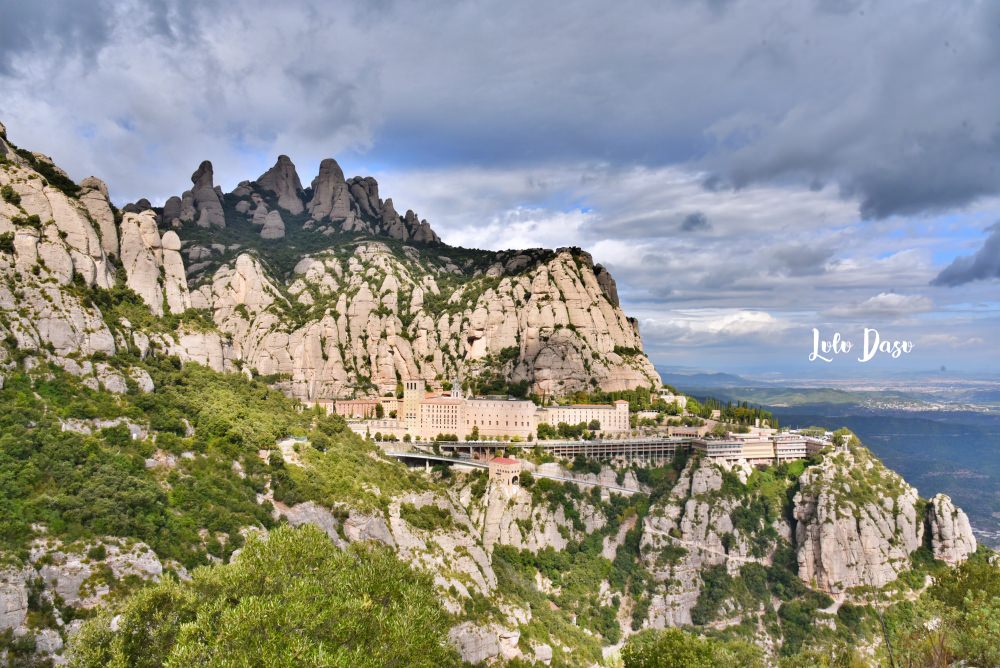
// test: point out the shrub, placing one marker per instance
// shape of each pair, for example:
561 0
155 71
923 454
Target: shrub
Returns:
10 195
428 518
292 599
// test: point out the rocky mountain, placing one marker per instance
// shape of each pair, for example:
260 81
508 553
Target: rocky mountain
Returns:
328 289
122 462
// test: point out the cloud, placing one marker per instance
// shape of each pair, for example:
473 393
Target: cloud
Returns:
984 264
800 259
884 305
695 222
906 124
712 326
752 161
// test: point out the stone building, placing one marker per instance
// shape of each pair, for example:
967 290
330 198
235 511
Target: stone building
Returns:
612 418
495 417
505 471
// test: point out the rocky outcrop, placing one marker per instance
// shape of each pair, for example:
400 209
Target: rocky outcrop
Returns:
607 283
951 535
484 644
274 226
857 523
690 530
372 319
153 266
14 597
283 181
506 515
331 199
203 199
94 196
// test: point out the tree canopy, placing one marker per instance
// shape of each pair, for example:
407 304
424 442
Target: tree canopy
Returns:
293 599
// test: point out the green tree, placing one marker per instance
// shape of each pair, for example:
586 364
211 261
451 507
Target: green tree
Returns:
673 648
293 599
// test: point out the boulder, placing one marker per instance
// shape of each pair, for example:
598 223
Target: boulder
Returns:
274 226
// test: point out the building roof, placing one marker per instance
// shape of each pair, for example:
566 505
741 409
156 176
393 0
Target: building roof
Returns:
443 400
504 460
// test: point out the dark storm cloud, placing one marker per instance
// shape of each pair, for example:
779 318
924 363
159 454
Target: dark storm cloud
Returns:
984 264
902 120
695 222
75 26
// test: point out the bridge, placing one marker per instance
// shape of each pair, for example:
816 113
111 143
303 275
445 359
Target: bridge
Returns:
653 449
479 464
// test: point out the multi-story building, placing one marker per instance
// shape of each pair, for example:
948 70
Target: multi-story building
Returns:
612 418
788 447
729 449
426 417
355 408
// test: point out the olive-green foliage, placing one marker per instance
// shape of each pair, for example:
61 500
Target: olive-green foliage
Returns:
78 485
674 648
957 620
428 518
349 472
10 195
291 600
55 178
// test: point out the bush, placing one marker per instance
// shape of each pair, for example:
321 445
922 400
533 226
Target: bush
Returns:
292 599
428 518
673 648
10 195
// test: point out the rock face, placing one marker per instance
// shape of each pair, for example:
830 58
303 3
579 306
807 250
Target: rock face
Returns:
857 523
283 181
951 534
94 196
331 198
371 310
373 319
153 266
507 516
692 529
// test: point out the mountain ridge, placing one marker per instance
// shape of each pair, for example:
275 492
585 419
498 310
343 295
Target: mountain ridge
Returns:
328 289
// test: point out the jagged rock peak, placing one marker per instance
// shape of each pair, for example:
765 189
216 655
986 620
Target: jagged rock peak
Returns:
203 199
331 197
283 181
203 176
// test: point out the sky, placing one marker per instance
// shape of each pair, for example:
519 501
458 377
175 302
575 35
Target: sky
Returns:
747 170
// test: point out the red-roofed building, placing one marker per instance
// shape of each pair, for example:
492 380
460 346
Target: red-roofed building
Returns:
505 471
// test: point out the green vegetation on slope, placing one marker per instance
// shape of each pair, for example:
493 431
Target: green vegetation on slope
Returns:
292 600
80 485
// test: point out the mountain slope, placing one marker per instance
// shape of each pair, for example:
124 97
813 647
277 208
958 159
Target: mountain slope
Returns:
327 289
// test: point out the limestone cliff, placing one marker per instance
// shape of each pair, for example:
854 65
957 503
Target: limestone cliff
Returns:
857 522
327 289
